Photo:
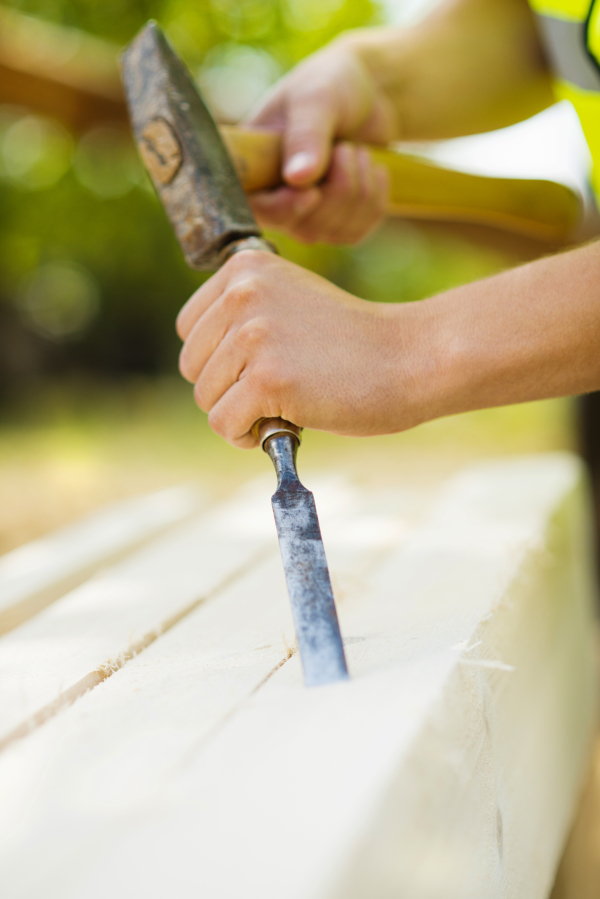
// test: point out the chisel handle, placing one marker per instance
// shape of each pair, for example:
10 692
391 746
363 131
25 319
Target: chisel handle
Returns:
421 189
264 428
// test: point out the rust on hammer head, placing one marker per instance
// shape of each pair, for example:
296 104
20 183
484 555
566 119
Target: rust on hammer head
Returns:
183 151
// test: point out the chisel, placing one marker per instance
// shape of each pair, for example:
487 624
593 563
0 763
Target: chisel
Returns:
205 202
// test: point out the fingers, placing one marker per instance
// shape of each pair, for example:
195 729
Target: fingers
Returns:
342 210
221 306
200 301
227 362
237 272
208 332
284 208
341 193
241 382
308 137
308 117
371 202
235 413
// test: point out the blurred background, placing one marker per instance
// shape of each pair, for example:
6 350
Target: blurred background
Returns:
91 279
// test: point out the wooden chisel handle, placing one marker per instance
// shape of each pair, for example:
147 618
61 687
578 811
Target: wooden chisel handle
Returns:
421 189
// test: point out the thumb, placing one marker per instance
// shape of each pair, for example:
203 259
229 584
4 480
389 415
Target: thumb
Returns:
308 138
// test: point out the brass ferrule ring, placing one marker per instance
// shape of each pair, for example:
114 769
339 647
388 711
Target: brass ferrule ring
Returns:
246 243
265 428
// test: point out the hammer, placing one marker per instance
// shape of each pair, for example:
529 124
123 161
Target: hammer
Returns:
205 202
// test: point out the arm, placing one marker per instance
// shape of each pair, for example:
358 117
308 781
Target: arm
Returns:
471 66
264 337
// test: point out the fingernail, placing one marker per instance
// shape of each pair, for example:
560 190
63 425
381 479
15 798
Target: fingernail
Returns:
299 163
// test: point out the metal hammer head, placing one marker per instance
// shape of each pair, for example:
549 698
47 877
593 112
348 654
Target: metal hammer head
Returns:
183 151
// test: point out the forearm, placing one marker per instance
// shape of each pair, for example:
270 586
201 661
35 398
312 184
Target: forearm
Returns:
527 334
470 66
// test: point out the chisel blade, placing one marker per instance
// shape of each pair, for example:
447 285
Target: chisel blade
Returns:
306 572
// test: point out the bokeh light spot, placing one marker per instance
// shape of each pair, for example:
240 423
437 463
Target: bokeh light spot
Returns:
36 152
106 162
233 78
59 300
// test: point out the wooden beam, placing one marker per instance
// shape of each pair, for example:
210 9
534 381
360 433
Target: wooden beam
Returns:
34 575
94 630
448 768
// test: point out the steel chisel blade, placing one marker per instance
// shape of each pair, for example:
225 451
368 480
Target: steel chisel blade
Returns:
309 585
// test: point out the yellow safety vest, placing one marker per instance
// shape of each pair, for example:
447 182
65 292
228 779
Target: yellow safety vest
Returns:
570 31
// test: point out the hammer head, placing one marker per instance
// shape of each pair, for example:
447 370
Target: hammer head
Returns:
183 151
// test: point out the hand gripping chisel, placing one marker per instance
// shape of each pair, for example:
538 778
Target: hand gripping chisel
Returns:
204 200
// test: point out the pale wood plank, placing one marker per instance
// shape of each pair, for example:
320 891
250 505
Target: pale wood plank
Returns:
88 634
128 735
447 768
34 575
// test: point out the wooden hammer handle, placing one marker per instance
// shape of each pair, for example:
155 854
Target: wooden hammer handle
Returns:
421 189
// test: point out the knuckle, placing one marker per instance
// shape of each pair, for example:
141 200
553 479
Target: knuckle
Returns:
254 333
272 378
236 264
240 295
247 261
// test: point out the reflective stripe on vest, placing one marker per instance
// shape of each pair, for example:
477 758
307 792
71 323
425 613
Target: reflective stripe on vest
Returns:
570 32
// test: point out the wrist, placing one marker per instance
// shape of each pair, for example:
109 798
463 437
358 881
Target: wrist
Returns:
424 364
380 55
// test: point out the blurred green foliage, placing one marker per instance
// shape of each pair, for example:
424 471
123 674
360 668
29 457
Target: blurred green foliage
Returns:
91 278
287 28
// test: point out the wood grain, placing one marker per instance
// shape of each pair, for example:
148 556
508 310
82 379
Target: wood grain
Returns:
34 575
448 768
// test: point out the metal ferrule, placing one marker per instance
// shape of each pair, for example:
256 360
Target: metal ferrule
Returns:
246 243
